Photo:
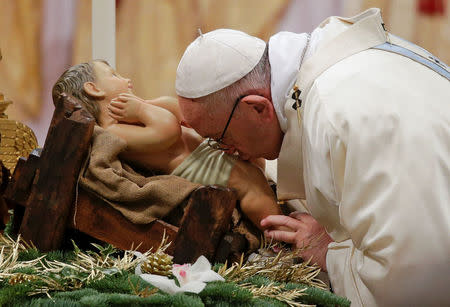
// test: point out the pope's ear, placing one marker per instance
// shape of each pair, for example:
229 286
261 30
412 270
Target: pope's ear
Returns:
93 90
261 105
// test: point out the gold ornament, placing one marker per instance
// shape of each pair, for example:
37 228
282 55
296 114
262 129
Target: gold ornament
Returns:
16 139
158 263
20 278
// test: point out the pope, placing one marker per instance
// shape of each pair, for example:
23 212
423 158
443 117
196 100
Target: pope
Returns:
359 120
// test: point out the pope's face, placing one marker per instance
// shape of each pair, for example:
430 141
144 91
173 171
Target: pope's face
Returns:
247 135
109 81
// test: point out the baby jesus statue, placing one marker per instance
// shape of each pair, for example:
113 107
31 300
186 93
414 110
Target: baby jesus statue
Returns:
157 139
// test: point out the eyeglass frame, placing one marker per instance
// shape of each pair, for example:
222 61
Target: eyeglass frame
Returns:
218 144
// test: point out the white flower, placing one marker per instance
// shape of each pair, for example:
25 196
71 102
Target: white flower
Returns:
192 278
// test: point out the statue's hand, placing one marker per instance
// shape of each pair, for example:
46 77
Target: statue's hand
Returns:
126 108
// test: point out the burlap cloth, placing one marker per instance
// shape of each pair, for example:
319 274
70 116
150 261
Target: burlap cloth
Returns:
140 198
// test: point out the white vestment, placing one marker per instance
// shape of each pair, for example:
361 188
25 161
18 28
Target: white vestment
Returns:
372 157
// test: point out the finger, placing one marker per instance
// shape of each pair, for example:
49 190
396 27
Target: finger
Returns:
304 217
117 104
298 215
132 96
115 110
281 220
120 99
295 215
128 96
117 117
280 235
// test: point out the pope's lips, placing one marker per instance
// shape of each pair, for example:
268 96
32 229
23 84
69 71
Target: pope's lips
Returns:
130 86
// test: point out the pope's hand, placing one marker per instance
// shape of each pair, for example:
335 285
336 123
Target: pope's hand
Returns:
303 231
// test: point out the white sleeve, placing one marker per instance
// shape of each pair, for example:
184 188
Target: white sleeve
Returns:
393 202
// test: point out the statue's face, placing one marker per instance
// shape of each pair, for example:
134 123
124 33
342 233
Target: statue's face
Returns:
111 82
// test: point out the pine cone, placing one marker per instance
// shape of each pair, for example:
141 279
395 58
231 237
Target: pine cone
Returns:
158 263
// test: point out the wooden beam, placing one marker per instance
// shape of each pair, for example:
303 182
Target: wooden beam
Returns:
19 188
4 180
52 192
92 216
206 220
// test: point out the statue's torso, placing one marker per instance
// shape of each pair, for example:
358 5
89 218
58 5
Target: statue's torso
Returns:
166 161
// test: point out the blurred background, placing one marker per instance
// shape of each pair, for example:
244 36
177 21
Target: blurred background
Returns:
39 39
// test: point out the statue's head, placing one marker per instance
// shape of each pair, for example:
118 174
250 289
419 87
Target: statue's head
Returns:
94 84
72 82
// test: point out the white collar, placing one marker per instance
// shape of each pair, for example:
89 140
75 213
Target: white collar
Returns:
285 53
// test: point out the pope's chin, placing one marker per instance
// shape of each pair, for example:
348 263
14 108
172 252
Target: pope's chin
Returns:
271 156
274 151
267 156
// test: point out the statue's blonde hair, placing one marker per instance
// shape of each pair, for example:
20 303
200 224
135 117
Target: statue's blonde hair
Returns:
72 82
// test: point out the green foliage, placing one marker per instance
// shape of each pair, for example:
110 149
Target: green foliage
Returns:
114 287
63 256
320 297
33 253
8 227
46 302
259 281
25 270
110 299
29 254
75 295
118 291
182 300
314 296
216 267
120 283
105 251
125 300
14 295
267 302
225 292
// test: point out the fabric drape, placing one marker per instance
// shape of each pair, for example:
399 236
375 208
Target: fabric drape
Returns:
153 34
20 77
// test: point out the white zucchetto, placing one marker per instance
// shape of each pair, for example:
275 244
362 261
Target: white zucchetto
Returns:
215 60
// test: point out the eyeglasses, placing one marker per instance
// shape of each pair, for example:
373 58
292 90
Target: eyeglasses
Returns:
218 144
